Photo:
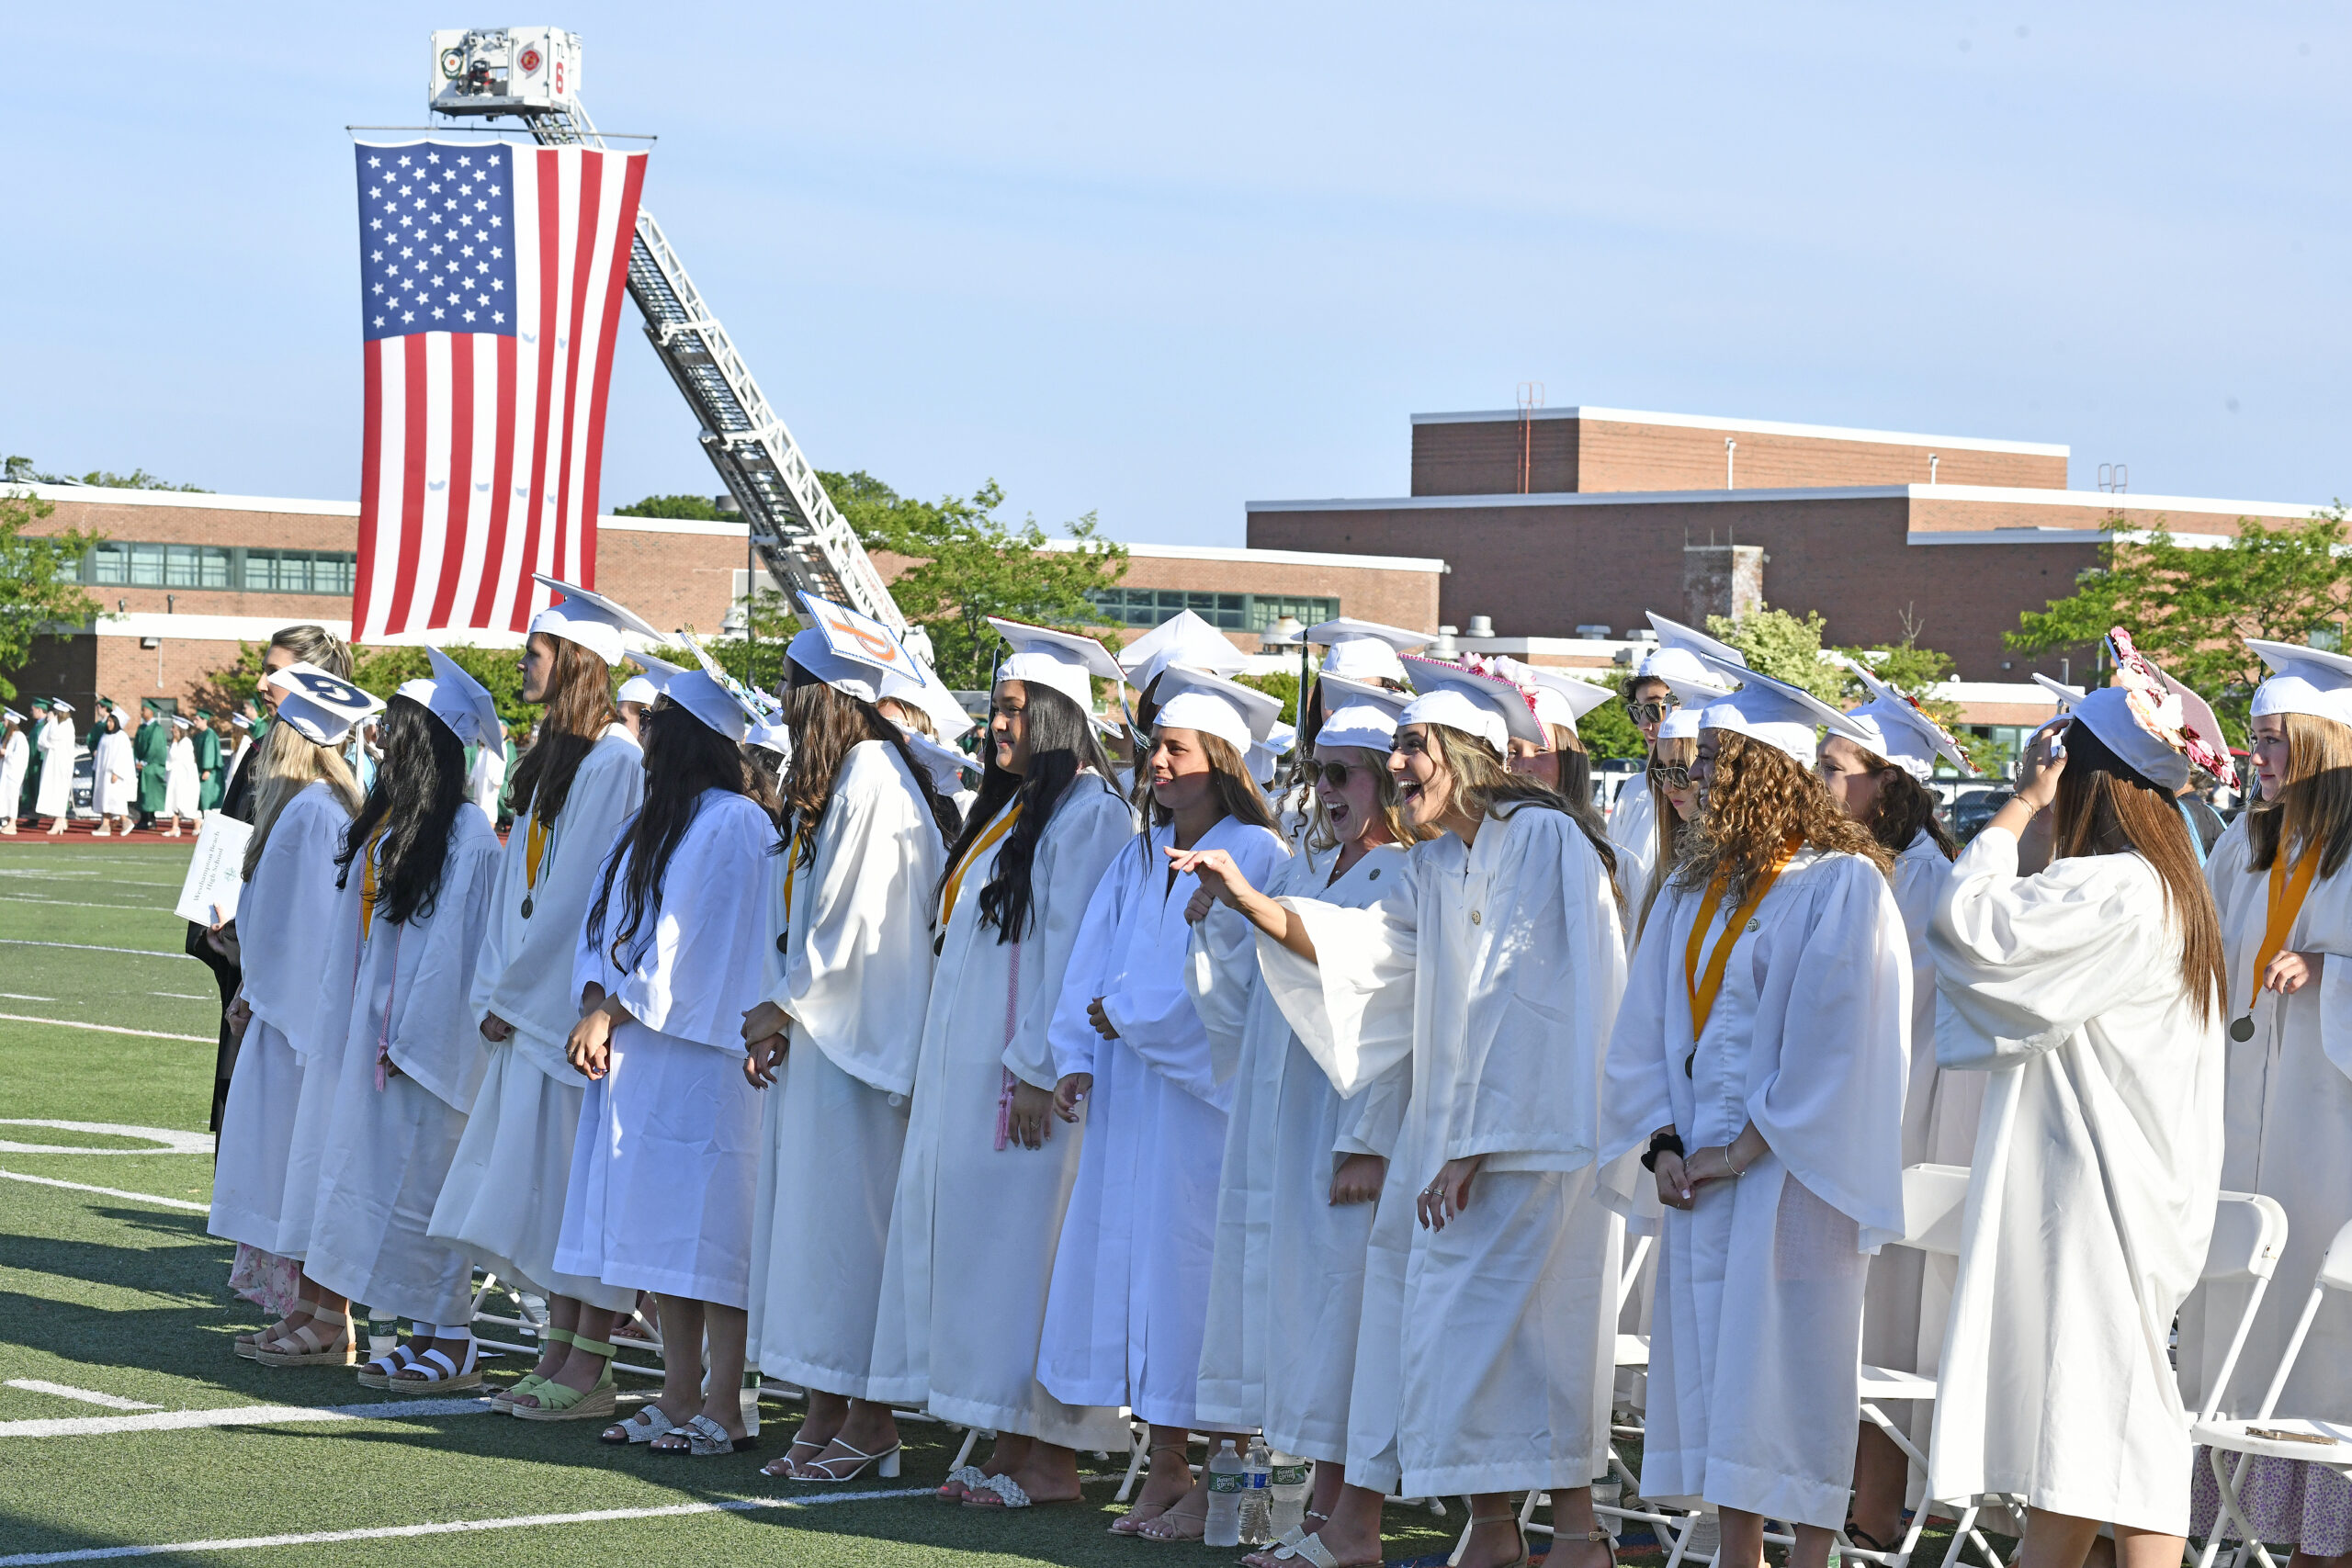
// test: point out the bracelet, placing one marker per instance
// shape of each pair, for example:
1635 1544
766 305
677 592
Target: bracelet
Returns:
1736 1170
1661 1144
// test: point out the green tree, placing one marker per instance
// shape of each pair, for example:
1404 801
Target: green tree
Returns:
1787 649
1282 684
684 508
21 471
2189 608
1610 731
41 591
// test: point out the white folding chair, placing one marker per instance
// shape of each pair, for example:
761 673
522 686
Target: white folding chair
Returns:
2320 1440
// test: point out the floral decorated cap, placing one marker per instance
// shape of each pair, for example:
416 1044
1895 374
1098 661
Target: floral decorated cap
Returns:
2160 727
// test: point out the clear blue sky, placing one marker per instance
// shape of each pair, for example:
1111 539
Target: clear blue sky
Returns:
1155 262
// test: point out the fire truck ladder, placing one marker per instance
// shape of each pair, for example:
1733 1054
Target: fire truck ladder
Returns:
800 536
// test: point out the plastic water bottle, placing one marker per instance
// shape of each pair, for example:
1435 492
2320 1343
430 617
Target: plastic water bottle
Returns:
1290 1488
1227 1483
1257 1502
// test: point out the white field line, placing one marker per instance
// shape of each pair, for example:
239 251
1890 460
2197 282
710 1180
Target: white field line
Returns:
86 947
72 875
77 904
106 1192
174 1141
20 996
109 1028
461 1527
239 1416
112 1402
175 995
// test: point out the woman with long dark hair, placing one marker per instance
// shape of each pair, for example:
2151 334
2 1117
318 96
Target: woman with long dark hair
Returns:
502 1205
2093 995
1671 677
1132 1052
986 1175
848 975
1759 1056
667 1159
416 873
304 802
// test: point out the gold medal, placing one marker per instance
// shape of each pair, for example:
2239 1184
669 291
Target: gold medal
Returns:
2242 1029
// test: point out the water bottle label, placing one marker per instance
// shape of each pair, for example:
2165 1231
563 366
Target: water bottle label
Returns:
1290 1475
1257 1479
1233 1482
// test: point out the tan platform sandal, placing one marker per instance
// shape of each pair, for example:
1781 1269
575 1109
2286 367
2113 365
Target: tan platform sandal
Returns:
308 1346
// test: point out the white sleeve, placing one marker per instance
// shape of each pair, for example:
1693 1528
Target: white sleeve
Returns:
701 974
1089 829
433 1037
1070 1040
1351 1004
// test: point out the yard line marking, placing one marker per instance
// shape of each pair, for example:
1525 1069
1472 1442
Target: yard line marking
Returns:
462 1527
105 1192
174 1140
109 1029
86 947
77 904
239 1416
20 996
70 875
175 995
112 1402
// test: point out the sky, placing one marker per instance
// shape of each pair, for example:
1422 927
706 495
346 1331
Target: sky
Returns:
1151 262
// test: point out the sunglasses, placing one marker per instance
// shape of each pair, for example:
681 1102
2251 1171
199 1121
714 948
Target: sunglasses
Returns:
1654 710
1333 773
1673 775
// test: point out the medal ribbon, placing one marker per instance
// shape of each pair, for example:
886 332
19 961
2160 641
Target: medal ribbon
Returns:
368 888
955 886
2287 893
1703 988
791 870
534 848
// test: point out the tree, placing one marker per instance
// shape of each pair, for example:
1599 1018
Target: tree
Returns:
2189 608
1610 731
41 594
1282 686
1787 649
687 508
21 471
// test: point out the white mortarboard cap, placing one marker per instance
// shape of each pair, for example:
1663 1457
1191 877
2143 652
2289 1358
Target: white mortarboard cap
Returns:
1494 711
771 735
2065 697
945 765
1195 699
322 708
656 670
2307 680
177 721
1902 732
637 689
1364 651
589 619
848 651
59 705
700 695
1557 697
2157 726
1264 755
12 713
1064 661
1357 713
1677 660
925 691
458 700
240 721
1682 723
1183 639
1780 716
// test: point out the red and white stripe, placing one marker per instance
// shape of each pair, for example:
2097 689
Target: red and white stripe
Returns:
481 453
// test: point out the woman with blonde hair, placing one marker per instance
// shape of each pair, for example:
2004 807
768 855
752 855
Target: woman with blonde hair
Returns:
2093 994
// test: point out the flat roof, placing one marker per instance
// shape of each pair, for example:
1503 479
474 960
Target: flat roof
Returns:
1755 426
284 506
2004 495
1430 564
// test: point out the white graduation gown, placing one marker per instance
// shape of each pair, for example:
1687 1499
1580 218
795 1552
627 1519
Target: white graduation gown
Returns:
2091 1199
1130 1298
113 791
55 796
16 755
286 924
850 963
974 1226
180 779
401 990
502 1204
1756 1329
1496 969
1632 822
667 1154
1286 1287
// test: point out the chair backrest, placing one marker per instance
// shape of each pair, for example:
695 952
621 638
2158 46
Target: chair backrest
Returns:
1934 1197
2335 1269
2249 1231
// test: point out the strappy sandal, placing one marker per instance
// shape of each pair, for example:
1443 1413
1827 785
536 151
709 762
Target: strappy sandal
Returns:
703 1437
1523 1560
642 1427
1128 1523
376 1372
438 1374
962 1478
562 1401
1857 1536
244 1345
1169 1525
307 1347
888 1460
504 1400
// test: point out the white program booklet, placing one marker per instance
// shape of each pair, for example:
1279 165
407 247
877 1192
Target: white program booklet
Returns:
215 876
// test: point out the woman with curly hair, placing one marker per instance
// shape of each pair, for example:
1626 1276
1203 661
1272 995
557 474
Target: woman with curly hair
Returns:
1760 1056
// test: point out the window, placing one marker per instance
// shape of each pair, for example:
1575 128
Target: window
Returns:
1148 607
115 563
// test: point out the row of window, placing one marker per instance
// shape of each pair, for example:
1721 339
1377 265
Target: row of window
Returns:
240 568
1227 611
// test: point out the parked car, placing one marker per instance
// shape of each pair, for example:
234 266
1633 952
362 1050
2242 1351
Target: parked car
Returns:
1972 811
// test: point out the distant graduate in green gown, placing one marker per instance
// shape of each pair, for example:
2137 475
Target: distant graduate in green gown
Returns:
212 776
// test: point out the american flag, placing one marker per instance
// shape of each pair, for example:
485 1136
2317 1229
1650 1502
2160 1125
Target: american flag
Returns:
491 284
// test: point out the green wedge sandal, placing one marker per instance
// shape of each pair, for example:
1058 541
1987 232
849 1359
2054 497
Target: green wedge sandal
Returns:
504 1400
562 1401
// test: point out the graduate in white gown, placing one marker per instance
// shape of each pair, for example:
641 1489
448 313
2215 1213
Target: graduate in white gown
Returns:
54 799
1494 967
1363 651
667 1155
2093 995
114 776
1671 677
1559 760
1882 784
580 783
1303 1165
179 777
836 1032
986 1171
1674 750
1124 1315
2284 894
1760 1056
399 1032
16 753
303 800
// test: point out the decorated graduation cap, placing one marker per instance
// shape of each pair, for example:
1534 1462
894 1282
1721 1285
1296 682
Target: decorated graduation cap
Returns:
2146 719
1193 699
322 708
1067 663
458 700
1780 716
944 763
1357 713
2305 680
589 619
1902 731
1556 697
1363 650
1183 639
1493 710
848 651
